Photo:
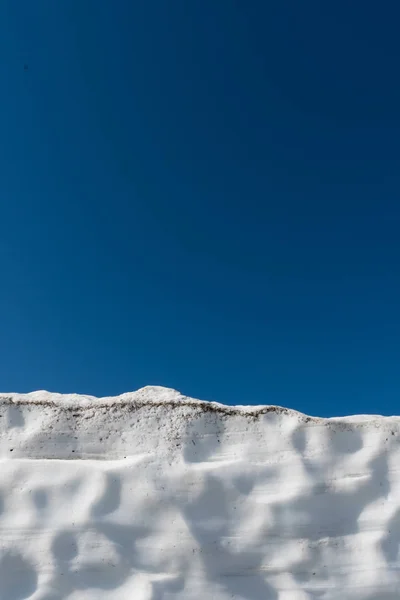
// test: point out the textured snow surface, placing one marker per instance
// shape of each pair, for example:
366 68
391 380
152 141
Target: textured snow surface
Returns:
155 496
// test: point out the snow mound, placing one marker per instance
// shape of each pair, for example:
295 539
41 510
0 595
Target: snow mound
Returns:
155 496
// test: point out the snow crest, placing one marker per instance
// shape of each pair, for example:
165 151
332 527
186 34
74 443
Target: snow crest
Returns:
154 496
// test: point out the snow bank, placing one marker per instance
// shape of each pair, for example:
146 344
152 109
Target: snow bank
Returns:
155 496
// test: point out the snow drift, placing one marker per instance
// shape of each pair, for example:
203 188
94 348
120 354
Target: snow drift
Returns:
155 496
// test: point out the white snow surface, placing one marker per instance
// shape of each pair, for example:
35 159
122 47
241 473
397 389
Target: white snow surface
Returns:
155 496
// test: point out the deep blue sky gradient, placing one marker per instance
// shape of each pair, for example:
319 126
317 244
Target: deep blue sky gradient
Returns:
203 195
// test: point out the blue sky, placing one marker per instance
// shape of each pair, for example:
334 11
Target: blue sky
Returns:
202 195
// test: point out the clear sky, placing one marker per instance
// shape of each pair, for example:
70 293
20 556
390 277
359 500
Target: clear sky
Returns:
203 195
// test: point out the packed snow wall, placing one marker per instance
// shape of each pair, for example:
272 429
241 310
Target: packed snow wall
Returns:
155 496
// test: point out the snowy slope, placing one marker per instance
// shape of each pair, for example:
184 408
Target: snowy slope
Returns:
155 496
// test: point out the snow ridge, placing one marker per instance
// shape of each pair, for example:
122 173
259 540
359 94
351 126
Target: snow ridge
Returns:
155 496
